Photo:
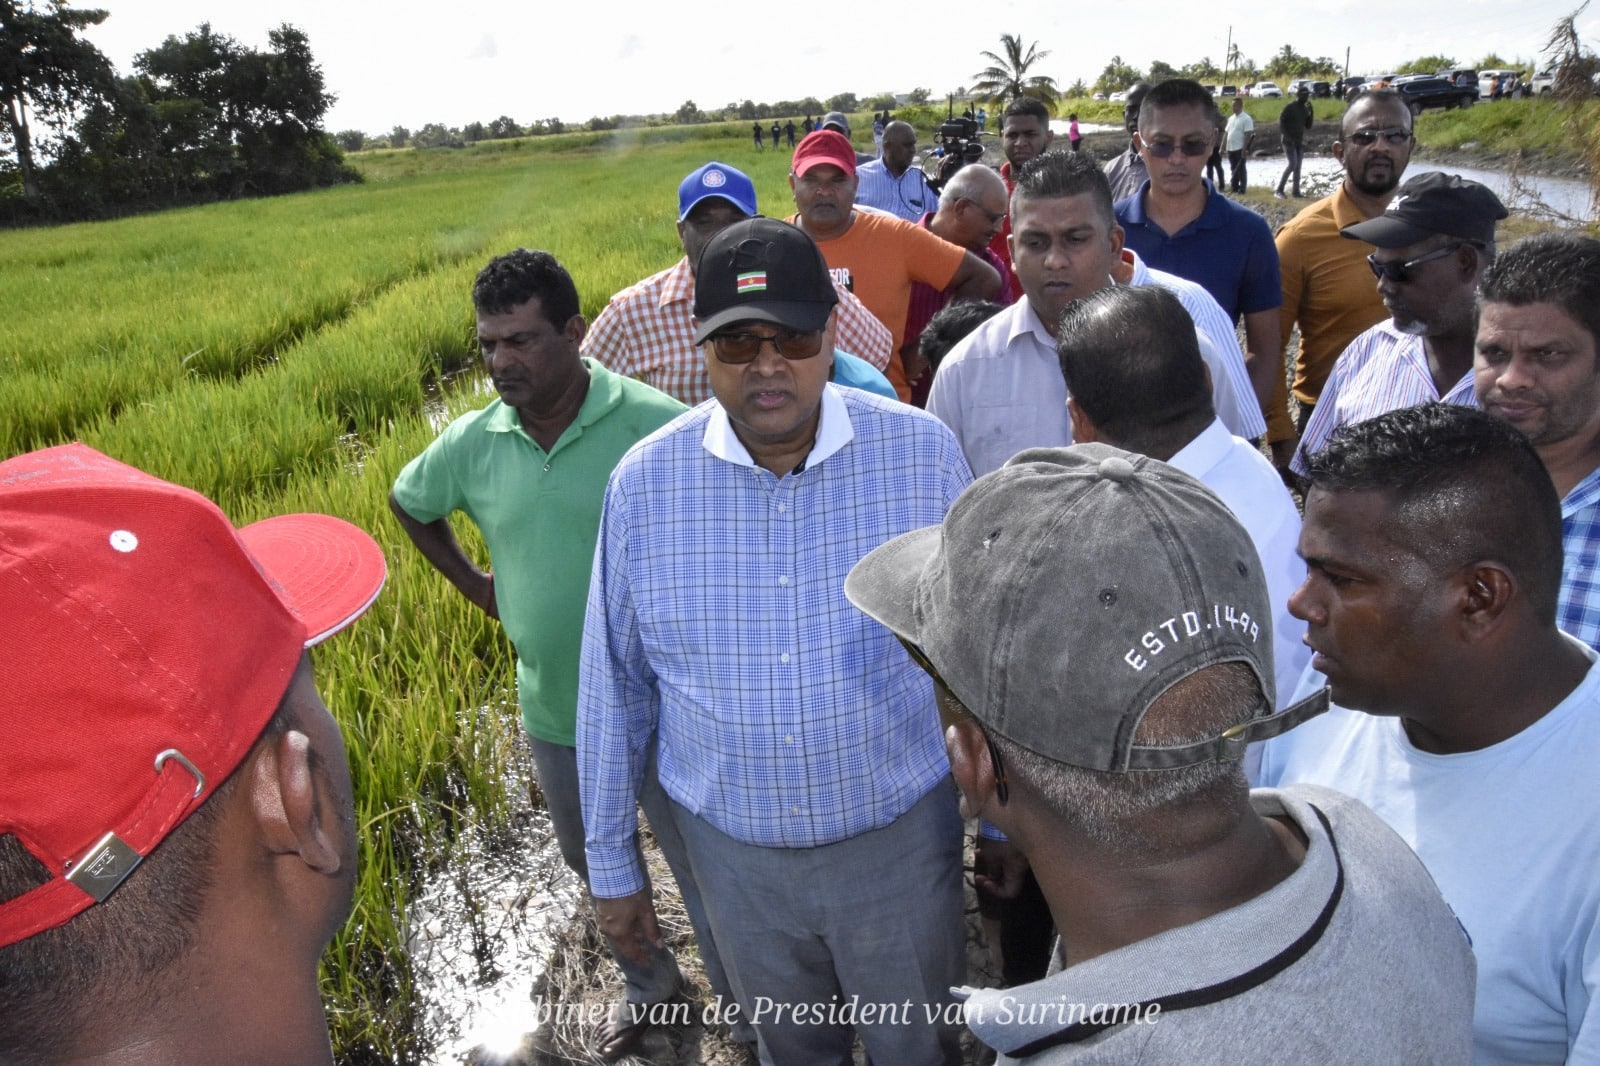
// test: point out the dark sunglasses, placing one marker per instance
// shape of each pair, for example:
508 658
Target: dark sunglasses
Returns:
1192 149
1366 138
741 347
1403 273
952 711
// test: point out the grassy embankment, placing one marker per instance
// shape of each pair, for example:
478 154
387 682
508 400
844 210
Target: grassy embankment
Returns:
274 355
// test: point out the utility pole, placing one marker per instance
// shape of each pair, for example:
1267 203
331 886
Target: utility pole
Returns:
1227 56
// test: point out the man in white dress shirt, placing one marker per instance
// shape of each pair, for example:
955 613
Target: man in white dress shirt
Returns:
1001 390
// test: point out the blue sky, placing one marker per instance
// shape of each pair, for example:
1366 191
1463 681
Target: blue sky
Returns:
402 63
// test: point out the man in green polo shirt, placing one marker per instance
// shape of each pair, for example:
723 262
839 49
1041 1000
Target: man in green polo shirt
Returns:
530 470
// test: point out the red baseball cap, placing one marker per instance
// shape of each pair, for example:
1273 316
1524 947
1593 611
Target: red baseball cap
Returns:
147 644
823 146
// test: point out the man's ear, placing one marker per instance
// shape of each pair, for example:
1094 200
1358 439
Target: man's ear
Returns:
292 805
1083 431
576 329
970 765
1486 590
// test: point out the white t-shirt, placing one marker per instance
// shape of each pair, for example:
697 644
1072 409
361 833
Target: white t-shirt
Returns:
1240 127
1511 834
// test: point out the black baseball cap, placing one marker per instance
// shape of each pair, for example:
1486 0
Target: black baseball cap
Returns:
762 270
1430 204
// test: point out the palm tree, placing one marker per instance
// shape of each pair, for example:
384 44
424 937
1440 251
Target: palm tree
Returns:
1007 77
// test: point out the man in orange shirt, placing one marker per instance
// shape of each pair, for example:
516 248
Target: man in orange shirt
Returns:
1327 286
876 256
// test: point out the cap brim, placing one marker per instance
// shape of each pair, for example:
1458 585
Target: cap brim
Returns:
1387 232
802 316
883 585
325 570
748 209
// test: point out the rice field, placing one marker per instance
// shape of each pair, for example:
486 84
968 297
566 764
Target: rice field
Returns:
277 355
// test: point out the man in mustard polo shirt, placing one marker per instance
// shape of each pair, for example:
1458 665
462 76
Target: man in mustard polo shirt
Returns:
530 470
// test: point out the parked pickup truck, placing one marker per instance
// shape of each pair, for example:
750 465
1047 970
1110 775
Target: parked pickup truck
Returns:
1423 93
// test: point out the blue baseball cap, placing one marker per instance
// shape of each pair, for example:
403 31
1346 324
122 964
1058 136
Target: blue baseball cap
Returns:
716 179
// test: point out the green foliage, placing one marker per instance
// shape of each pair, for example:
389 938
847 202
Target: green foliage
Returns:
47 69
1117 75
845 102
1007 75
1162 71
919 96
1426 65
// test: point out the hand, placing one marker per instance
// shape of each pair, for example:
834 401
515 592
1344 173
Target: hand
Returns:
998 868
629 922
914 364
484 597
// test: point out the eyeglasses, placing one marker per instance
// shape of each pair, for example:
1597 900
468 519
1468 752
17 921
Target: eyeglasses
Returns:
1401 273
1394 135
952 711
994 217
742 347
1191 148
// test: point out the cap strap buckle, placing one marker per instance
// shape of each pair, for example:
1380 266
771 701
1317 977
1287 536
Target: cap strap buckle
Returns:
111 860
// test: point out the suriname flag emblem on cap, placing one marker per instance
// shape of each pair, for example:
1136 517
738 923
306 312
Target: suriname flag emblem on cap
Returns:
755 281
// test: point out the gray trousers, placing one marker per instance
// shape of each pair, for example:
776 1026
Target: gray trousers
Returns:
873 921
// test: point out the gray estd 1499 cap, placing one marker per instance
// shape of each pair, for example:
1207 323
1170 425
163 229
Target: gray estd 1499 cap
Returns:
1066 591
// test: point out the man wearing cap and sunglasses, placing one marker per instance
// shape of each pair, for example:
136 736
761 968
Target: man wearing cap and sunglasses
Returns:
1099 633
647 330
177 834
1327 285
1177 222
1432 244
798 747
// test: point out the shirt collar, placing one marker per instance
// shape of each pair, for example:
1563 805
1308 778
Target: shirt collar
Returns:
1583 494
678 287
1209 448
834 431
1025 322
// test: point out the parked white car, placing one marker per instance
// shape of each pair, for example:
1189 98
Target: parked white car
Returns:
1265 89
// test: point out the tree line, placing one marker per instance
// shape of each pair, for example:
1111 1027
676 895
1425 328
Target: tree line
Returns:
202 118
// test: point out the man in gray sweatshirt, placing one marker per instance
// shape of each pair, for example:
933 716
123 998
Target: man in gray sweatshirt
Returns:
1099 632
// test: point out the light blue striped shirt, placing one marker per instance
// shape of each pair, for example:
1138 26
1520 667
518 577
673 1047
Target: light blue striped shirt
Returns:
1382 370
717 628
909 196
1578 611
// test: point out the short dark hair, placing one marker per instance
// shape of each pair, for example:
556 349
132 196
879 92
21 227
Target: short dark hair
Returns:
1465 487
1054 175
1178 92
1031 106
51 980
1555 268
1374 96
950 324
1132 363
511 280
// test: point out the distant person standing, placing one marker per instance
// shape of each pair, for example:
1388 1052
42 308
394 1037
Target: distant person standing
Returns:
788 131
1072 132
1214 162
809 124
1294 122
1126 172
776 132
983 118
757 129
877 135
1240 135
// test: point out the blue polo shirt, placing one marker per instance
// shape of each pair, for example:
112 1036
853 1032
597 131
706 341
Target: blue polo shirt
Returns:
1228 249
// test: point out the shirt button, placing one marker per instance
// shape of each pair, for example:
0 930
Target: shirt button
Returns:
794 810
784 657
789 739
783 580
782 507
547 468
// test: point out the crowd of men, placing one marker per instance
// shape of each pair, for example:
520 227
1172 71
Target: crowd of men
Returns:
812 629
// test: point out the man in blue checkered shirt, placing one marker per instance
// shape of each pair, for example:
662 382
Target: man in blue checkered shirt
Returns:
1538 367
797 741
